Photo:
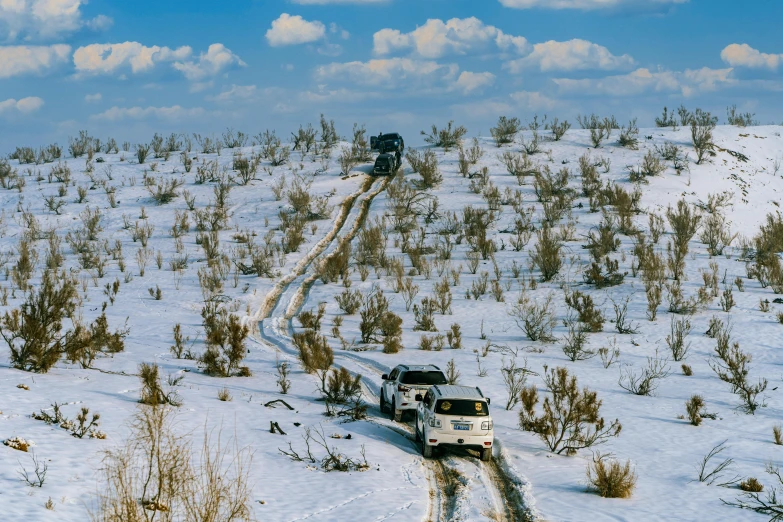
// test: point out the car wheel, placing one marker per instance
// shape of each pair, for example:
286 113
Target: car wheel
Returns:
486 454
383 402
396 414
427 451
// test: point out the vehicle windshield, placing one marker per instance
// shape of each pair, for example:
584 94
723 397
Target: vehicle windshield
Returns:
424 378
462 408
388 137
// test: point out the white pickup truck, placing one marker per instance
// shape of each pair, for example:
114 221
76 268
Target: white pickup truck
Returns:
400 387
454 416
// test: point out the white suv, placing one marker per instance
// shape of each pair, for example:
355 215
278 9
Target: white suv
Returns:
400 387
454 416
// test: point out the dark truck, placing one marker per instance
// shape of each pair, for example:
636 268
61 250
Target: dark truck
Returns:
391 147
388 143
386 164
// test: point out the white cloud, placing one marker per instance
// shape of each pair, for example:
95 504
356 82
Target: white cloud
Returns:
93 98
24 106
110 58
337 30
293 30
437 38
216 60
22 59
100 23
517 101
139 113
584 4
236 93
533 100
743 55
412 75
570 56
470 81
44 19
118 57
642 81
389 73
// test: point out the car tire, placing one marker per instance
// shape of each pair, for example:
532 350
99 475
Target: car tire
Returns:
383 403
427 451
396 414
486 454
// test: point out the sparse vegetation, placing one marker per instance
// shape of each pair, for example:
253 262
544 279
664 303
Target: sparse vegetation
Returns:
610 478
571 417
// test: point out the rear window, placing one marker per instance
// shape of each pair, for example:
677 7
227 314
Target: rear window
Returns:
462 408
382 162
424 378
386 137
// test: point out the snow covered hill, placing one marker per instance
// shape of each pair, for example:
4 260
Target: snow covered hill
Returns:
184 265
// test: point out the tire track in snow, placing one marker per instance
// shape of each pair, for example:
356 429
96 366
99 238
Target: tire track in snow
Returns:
271 300
443 479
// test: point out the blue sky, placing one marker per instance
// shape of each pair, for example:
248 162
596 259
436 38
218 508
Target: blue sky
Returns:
129 69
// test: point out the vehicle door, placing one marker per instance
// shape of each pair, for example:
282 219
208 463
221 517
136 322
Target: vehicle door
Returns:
423 410
390 385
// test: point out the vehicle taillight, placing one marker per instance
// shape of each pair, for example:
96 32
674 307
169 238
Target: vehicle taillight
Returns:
404 389
486 425
435 423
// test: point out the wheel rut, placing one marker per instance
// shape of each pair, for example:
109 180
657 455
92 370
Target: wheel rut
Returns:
444 479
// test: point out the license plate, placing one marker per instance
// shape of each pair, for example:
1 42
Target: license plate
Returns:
462 427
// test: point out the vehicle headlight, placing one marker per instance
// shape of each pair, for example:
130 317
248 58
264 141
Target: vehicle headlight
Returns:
435 423
486 425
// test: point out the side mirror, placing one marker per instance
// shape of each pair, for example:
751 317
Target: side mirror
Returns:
488 401
385 376
418 397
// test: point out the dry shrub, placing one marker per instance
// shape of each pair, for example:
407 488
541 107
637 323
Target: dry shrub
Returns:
282 376
610 478
536 320
342 387
676 340
157 475
349 301
592 318
427 167
314 351
87 343
570 420
505 131
312 318
178 348
751 485
702 124
732 366
34 331
646 381
17 443
152 392
684 223
695 406
447 137
225 338
547 253
687 370
224 395
380 325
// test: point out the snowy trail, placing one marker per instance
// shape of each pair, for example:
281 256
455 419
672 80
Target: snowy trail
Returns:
273 297
288 298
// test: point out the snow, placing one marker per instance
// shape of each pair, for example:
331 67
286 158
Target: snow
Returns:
665 449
